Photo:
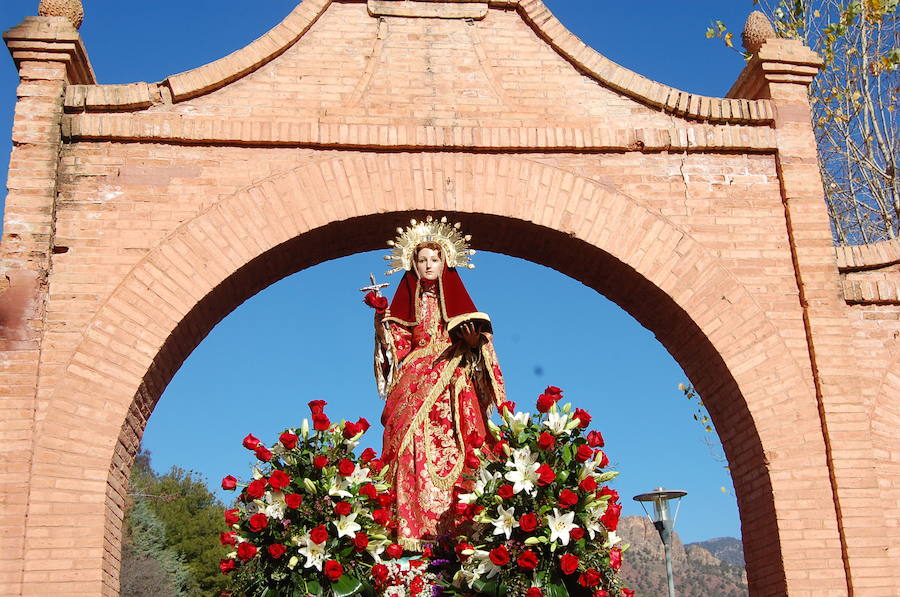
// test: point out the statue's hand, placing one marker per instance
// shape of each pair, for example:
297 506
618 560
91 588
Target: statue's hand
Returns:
470 334
379 321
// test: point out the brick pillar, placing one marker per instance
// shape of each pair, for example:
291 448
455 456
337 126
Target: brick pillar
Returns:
49 55
782 71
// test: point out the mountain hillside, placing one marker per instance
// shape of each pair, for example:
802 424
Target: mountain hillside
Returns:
698 572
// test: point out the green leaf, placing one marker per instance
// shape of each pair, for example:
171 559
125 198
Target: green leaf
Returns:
488 587
346 585
313 587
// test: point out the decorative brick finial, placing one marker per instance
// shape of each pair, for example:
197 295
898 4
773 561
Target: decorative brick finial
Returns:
71 9
757 29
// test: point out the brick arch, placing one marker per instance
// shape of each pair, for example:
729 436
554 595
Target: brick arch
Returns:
171 299
885 427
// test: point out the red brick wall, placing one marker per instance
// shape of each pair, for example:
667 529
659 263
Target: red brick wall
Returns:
170 203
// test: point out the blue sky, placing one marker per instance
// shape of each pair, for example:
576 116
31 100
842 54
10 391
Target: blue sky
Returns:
309 336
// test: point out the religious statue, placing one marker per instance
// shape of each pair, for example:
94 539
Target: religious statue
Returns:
435 365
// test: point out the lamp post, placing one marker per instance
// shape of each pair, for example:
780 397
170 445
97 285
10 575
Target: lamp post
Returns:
664 521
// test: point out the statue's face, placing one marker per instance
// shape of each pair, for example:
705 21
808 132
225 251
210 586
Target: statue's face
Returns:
429 264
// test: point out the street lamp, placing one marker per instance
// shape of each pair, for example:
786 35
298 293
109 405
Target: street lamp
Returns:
663 520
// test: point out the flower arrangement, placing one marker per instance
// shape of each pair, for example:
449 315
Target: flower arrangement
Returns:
542 522
314 519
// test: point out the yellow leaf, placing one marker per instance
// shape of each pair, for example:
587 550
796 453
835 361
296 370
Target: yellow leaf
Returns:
728 41
710 33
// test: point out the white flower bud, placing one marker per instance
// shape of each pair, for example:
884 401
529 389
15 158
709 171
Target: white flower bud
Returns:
304 429
567 407
309 485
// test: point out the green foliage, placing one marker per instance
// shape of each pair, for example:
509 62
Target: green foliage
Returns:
149 566
176 515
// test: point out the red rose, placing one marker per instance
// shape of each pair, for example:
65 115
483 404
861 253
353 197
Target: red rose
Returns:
505 491
360 541
258 522
546 441
367 455
583 417
319 534
288 440
317 407
379 573
321 422
508 405
333 570
589 578
417 584
546 476
544 402
227 565
472 461
499 452
475 439
528 522
627 592
595 439
499 556
229 538
461 547
567 498
350 430
382 516
368 490
376 465
427 553
232 516
279 480
256 489
568 563
343 508
615 558
385 499
376 301
603 461
583 453
527 560
588 484
612 493
320 461
250 442
576 533
346 467
276 550
229 482
363 424
553 391
293 500
601 593
263 453
610 518
533 592
246 550
395 551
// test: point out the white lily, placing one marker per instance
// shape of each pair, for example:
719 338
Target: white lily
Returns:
340 488
592 524
505 522
485 565
560 526
347 526
557 423
524 474
359 476
611 539
276 506
376 548
313 552
519 421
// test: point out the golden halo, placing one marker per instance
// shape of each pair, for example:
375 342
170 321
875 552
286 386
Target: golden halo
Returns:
454 245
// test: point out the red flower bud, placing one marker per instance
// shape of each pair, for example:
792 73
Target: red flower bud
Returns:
382 516
612 493
499 556
320 461
533 592
376 465
346 467
232 516
229 482
472 461
615 558
250 442
319 534
368 490
576 533
317 407
528 522
363 424
508 405
263 453
293 500
350 430
279 480
246 550
595 439
546 476
527 560
379 573
546 441
610 518
276 550
505 491
544 402
589 578
333 570
553 391
568 563
288 440
567 498
584 419
394 551
229 538
367 455
461 547
584 453
588 484
360 541
343 508
256 489
258 522
321 422
227 565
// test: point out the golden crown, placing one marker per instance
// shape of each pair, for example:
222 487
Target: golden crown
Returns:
454 245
